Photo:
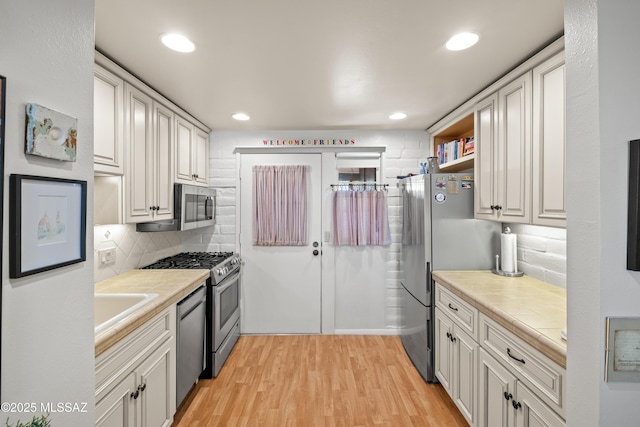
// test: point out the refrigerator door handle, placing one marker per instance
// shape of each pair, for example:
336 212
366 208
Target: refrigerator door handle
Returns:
429 281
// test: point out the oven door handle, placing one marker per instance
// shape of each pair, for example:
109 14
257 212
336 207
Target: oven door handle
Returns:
228 281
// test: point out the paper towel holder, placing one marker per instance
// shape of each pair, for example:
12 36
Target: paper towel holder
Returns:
505 273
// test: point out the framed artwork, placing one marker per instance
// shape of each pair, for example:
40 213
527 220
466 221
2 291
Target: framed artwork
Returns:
47 222
51 134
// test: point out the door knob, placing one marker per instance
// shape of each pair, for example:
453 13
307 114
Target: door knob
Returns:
315 244
316 252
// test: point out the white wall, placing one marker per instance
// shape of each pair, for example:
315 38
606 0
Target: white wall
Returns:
378 310
603 89
46 53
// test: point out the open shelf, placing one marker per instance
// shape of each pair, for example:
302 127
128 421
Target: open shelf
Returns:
463 128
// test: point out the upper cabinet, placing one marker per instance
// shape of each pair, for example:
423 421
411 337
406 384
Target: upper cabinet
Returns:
549 143
192 153
108 117
503 172
148 139
519 149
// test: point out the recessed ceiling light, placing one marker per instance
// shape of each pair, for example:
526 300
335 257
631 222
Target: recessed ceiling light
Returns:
177 42
240 116
462 41
398 116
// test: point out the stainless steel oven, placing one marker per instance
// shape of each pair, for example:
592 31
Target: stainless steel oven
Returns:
226 319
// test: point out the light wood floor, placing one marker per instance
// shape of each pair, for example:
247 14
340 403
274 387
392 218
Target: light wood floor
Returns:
318 380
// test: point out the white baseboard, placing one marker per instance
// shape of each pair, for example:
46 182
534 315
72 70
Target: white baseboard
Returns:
367 332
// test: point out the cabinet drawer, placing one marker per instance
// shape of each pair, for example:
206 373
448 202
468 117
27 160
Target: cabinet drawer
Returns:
116 361
538 372
465 316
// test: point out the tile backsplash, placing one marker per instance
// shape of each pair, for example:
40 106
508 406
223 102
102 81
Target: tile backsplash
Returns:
133 249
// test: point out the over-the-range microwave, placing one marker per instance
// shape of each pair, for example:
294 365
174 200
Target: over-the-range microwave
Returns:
193 207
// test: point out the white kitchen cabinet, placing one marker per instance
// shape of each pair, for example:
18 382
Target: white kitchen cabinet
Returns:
108 122
456 351
504 401
549 143
136 378
149 137
192 153
503 153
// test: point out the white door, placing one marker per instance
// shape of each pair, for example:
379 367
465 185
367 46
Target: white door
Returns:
281 285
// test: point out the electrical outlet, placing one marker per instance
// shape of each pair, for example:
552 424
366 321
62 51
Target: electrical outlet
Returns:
107 256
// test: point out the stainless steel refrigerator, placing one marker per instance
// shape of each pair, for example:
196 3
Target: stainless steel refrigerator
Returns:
438 233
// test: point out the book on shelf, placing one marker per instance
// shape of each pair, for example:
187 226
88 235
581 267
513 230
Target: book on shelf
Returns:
454 150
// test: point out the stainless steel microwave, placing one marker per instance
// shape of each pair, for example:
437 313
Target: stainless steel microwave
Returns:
193 207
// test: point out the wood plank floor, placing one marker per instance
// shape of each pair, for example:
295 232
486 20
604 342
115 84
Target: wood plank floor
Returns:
318 380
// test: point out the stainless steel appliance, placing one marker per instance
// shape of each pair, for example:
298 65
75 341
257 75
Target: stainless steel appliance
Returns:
438 233
223 301
193 207
190 341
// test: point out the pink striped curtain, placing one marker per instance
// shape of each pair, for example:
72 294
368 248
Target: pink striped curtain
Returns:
280 205
360 218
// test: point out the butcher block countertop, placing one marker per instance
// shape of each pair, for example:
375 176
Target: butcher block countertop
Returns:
534 311
170 285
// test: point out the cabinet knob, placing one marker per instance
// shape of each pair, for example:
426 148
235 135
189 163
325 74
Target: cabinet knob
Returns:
142 387
498 207
134 394
516 405
508 395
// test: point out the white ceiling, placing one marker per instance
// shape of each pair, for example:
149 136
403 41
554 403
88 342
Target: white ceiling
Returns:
323 64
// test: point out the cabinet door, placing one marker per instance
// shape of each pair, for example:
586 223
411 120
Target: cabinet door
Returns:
118 408
495 393
549 145
138 127
514 154
201 158
532 412
184 154
443 355
465 360
108 118
486 146
163 162
157 389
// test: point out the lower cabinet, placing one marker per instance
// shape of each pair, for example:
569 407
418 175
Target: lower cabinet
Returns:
504 401
456 359
495 379
135 379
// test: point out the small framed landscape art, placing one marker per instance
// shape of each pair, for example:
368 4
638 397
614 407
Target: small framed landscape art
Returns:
47 223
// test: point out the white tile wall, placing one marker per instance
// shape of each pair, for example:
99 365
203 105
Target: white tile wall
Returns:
542 252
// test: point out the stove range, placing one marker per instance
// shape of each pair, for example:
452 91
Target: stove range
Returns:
223 301
221 264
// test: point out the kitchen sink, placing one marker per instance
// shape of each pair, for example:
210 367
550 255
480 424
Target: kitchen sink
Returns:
110 308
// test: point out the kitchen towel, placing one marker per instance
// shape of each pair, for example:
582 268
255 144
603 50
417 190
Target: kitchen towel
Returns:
508 252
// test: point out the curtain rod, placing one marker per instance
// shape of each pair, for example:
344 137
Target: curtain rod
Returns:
358 185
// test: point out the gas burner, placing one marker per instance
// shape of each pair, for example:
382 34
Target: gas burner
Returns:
221 264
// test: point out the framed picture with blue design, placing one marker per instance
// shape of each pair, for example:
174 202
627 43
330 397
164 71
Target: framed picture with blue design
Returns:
47 222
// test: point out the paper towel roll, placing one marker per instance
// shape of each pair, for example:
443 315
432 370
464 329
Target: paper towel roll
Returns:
508 253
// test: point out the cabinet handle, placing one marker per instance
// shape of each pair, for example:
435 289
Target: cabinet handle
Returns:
508 395
134 394
498 207
142 387
452 307
513 357
449 335
516 405
492 207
